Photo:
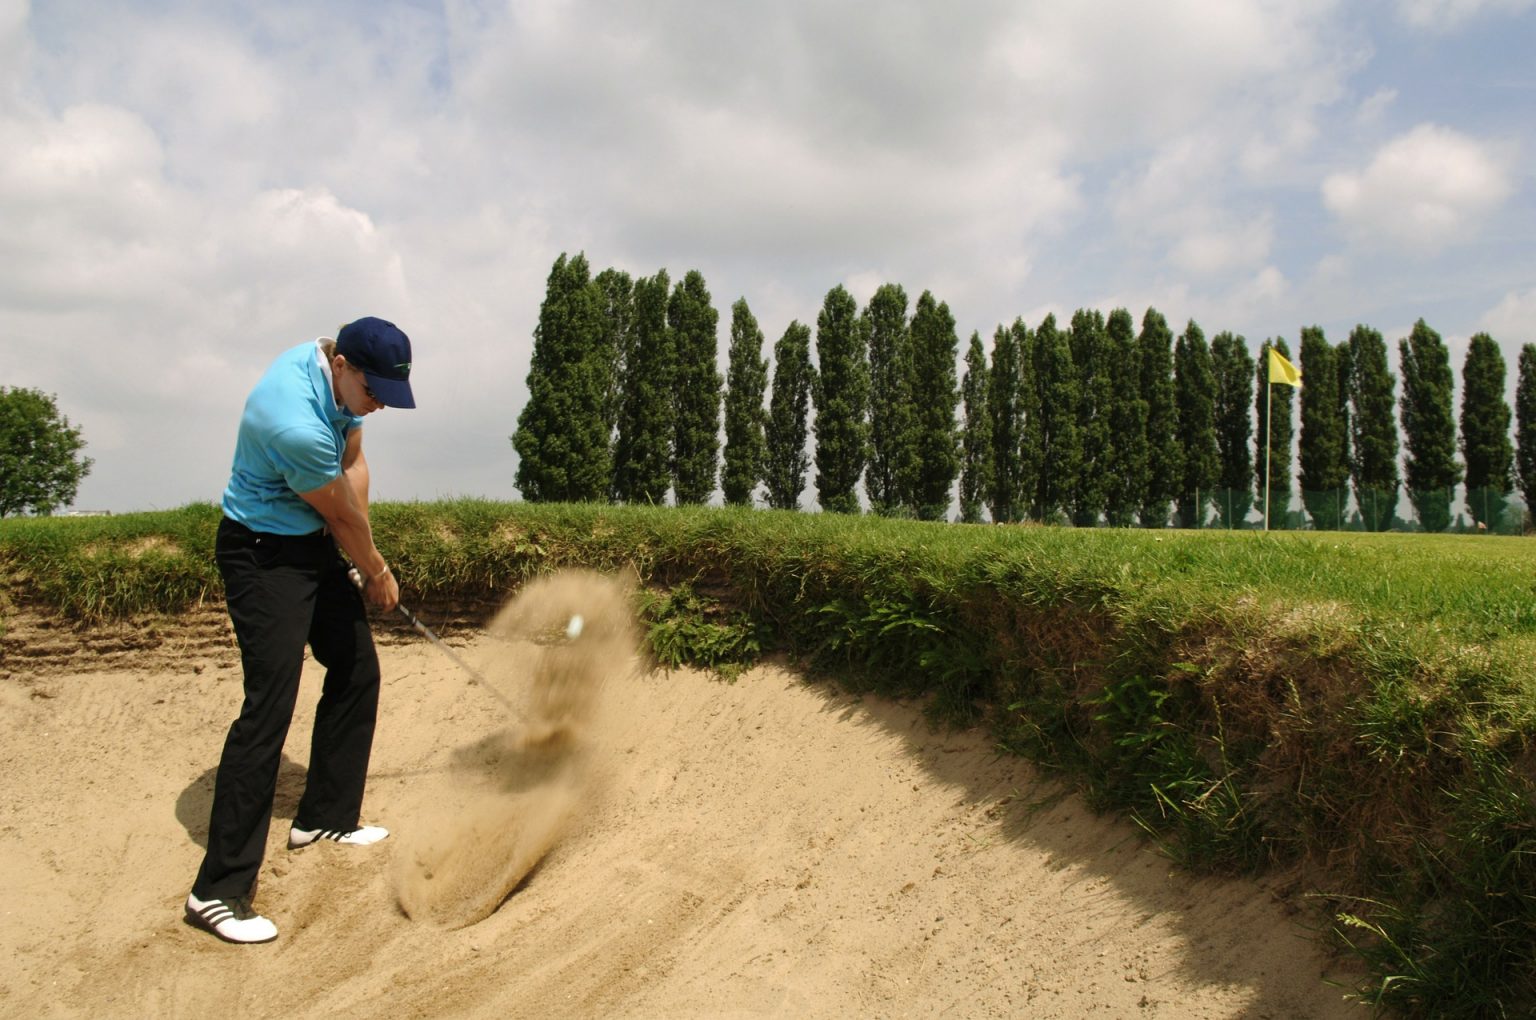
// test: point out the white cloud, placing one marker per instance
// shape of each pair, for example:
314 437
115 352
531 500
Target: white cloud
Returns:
1376 105
1512 321
1425 190
1264 68
1441 15
92 152
81 196
1219 248
15 49
1176 203
1265 288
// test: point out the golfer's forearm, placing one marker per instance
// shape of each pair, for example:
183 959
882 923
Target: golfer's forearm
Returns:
347 520
355 536
354 467
357 476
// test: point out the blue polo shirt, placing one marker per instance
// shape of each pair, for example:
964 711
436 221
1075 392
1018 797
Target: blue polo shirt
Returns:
291 439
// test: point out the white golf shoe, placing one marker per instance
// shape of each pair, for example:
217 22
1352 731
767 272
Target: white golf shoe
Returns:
231 919
363 835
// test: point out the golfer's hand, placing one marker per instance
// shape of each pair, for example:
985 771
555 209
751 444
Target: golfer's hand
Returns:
383 591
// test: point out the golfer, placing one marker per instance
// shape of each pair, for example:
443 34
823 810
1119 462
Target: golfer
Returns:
297 490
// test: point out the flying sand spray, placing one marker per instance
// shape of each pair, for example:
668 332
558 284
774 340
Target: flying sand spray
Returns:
480 827
572 632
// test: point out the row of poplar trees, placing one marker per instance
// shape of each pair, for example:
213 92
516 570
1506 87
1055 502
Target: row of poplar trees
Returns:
1093 422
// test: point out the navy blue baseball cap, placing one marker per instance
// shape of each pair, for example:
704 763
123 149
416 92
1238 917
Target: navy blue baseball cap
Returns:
383 354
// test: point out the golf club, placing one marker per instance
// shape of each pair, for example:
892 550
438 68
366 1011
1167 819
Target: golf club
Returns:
357 579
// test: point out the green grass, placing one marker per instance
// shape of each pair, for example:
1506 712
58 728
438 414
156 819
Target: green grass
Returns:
1360 704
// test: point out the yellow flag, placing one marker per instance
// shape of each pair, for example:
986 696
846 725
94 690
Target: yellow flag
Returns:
1282 371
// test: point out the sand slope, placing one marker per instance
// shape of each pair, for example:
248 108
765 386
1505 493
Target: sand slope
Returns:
767 848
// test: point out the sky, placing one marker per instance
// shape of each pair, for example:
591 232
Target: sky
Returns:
189 188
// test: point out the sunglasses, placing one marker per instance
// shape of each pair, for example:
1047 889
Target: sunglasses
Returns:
367 390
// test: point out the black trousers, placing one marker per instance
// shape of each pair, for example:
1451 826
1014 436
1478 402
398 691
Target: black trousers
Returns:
285 592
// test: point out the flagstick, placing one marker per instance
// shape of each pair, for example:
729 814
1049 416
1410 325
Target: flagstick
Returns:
1269 441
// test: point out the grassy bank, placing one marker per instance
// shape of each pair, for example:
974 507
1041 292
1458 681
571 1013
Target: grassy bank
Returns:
1360 706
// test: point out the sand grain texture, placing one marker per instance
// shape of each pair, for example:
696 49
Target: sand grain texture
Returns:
687 848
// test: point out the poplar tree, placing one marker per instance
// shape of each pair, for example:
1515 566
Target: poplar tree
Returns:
1372 429
1125 471
745 413
616 296
976 441
1525 425
841 396
892 456
1089 344
1032 441
562 433
784 437
1429 426
696 441
934 398
1194 386
1165 461
1485 444
642 459
1059 449
1323 450
1232 367
1274 412
1006 497
1342 359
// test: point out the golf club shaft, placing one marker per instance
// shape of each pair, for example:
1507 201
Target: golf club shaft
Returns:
426 632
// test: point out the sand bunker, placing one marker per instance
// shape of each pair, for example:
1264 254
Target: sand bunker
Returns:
508 797
767 848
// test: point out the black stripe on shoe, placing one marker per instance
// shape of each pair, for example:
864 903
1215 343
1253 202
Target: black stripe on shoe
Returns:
362 835
232 920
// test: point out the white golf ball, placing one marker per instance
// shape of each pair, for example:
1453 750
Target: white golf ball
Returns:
573 629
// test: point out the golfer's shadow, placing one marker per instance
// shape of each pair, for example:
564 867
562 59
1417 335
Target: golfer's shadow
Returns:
194 803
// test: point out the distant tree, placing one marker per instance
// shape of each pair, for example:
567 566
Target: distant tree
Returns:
1233 411
696 439
616 299
1525 425
40 463
841 395
1343 359
1033 436
1089 343
976 439
1058 444
745 413
1323 450
1006 498
892 453
1165 457
1372 429
1485 442
1194 388
1275 410
787 430
642 458
562 432
1125 470
934 398
1429 426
